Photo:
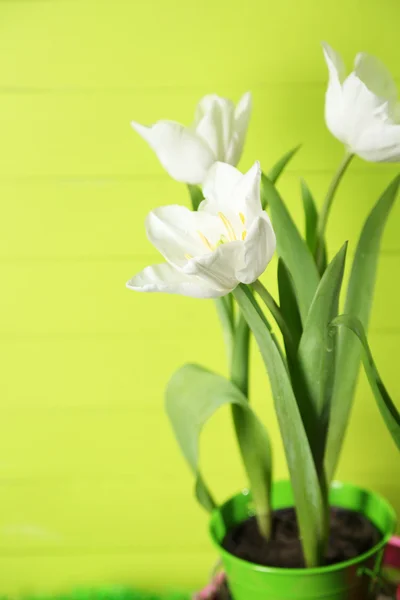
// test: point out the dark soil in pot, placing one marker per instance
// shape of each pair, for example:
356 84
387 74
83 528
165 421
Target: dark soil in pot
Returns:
351 534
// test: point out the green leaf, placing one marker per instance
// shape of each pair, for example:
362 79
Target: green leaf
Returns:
275 311
274 173
292 249
290 312
193 395
310 499
358 303
311 220
326 208
311 215
288 302
388 410
316 363
196 196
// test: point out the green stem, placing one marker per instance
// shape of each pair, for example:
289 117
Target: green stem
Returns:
276 313
225 312
239 375
326 207
237 340
239 367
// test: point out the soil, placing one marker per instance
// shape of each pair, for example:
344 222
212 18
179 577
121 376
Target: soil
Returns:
351 534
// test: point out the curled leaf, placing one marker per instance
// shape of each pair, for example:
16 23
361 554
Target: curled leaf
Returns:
387 408
193 395
358 303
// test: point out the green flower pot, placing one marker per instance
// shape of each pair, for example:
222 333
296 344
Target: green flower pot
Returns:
343 581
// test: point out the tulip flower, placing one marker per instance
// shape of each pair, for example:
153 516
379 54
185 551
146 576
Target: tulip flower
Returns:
217 134
361 110
228 241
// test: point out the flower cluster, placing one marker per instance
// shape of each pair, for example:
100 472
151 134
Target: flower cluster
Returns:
230 240
221 248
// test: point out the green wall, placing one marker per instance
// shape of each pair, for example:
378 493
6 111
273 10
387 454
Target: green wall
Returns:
93 488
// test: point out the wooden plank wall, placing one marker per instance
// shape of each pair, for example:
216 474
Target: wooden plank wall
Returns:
92 487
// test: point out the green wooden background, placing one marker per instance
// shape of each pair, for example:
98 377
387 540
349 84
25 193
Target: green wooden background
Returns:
92 487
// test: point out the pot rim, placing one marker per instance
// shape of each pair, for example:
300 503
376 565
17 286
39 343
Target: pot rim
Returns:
313 570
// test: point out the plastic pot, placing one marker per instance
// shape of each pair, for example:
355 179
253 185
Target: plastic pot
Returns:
350 580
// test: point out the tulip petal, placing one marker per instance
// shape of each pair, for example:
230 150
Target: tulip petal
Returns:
217 268
368 124
361 105
333 97
227 190
361 111
380 142
246 197
218 187
214 123
375 76
258 249
182 153
164 278
209 129
241 124
335 64
177 232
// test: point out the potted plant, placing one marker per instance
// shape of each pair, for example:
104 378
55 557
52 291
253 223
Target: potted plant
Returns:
309 537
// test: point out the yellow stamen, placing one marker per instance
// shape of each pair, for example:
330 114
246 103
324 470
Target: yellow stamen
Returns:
242 218
228 226
205 241
188 256
244 233
222 240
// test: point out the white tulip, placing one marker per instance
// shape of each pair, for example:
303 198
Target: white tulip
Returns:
228 241
217 134
361 110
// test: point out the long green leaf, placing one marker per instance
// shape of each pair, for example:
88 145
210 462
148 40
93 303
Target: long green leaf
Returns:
358 303
309 497
387 408
292 249
276 312
290 312
316 363
310 214
327 205
311 221
278 168
193 395
288 302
